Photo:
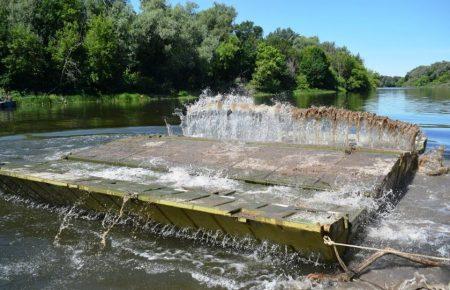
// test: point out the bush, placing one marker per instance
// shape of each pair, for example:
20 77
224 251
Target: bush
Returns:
270 71
315 65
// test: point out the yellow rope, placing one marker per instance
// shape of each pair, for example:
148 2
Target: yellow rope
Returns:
327 241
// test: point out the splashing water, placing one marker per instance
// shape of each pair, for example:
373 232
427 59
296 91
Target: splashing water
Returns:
180 178
66 219
169 128
125 199
64 225
236 117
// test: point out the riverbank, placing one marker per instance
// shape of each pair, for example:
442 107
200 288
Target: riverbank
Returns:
48 99
427 86
25 99
298 93
441 85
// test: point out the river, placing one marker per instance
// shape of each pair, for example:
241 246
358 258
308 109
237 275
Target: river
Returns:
139 257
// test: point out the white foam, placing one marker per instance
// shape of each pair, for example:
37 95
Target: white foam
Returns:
124 173
403 233
344 197
180 178
237 117
76 259
215 281
444 251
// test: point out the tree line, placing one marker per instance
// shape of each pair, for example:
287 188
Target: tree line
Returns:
69 46
435 74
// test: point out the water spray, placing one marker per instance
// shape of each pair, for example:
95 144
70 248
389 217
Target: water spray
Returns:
125 199
237 117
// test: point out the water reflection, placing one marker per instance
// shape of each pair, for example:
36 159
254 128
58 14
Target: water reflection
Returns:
84 114
428 107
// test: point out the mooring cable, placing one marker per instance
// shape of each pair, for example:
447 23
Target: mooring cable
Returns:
327 241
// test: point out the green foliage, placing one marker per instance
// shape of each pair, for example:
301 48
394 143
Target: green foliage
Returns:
315 66
4 29
170 47
329 68
435 74
67 54
24 64
52 15
301 82
388 81
249 37
374 79
73 46
443 78
359 80
218 20
283 40
270 71
226 60
105 57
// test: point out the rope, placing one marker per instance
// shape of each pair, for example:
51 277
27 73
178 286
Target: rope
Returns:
341 262
327 241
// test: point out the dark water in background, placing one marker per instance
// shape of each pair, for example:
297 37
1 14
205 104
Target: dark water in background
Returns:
88 114
139 258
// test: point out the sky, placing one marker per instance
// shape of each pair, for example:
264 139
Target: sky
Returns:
392 36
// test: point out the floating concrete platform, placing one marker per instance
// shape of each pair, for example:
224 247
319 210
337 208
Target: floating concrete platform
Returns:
297 220
307 167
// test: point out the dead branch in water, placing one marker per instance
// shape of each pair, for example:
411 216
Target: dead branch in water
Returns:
355 272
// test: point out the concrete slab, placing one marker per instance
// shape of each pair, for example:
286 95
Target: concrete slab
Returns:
320 168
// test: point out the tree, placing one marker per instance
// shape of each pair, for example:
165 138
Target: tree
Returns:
105 56
217 20
301 42
226 62
436 73
51 16
315 66
25 60
249 37
104 45
168 39
68 55
4 30
283 39
215 25
359 80
270 72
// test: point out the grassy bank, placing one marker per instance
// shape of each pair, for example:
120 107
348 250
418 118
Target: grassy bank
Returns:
298 93
440 85
426 86
35 99
310 92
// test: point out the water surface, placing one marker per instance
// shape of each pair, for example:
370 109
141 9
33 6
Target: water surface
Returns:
164 258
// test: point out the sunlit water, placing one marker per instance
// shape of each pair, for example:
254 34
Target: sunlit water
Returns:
148 256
